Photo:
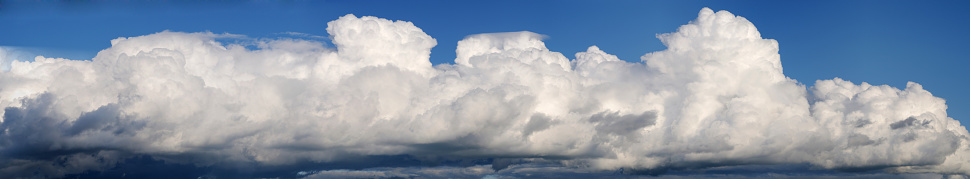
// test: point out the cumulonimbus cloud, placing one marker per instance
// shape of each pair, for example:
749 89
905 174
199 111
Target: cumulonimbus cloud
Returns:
716 97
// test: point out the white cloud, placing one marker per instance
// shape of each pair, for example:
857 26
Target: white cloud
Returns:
716 97
5 59
10 54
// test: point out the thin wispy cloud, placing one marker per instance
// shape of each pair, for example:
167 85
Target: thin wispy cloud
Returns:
304 35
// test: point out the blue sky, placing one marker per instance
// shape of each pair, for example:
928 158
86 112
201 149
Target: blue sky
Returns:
879 42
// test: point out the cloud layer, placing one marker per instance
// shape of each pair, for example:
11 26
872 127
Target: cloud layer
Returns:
716 97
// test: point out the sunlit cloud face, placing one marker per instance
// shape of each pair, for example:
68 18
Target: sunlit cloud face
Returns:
508 106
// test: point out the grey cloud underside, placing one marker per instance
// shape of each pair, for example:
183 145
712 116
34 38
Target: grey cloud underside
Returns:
717 97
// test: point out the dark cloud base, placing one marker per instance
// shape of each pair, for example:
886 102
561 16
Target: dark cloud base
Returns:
147 167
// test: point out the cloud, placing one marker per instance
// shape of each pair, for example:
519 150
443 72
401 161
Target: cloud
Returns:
5 58
303 35
717 97
9 54
548 170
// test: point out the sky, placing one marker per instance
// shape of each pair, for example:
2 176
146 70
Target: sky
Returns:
672 94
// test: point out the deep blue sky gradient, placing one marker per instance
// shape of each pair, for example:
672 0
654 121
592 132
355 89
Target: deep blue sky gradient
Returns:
880 42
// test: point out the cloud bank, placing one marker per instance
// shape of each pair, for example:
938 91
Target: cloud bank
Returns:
716 97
